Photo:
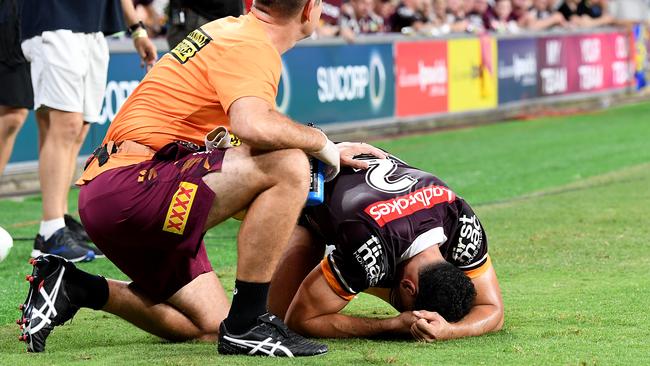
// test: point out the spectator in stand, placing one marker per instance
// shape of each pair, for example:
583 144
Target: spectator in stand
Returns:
329 20
630 11
586 14
385 9
519 12
480 14
485 9
439 14
456 17
409 17
543 16
361 20
468 6
504 22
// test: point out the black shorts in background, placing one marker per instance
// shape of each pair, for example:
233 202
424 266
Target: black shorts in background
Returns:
16 86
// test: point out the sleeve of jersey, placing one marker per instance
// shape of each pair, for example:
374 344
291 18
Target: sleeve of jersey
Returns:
357 263
470 250
246 70
335 280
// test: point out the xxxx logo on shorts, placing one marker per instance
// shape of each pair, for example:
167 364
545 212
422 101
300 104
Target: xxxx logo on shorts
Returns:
234 140
190 45
179 209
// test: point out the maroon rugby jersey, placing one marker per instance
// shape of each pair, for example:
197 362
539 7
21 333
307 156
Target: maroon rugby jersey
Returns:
380 217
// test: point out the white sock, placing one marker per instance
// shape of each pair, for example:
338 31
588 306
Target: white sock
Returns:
49 227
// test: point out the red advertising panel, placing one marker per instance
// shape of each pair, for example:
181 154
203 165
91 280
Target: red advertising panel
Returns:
556 62
584 63
421 77
589 63
618 59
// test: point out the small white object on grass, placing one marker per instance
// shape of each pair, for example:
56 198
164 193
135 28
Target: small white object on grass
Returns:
6 242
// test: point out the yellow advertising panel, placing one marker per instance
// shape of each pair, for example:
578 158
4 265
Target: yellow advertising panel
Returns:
472 74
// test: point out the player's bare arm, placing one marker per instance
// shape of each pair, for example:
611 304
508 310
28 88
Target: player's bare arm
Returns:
485 316
315 312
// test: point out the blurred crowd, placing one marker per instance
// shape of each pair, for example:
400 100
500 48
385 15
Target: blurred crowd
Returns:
350 18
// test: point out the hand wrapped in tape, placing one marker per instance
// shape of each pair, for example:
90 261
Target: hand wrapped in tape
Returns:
219 138
329 155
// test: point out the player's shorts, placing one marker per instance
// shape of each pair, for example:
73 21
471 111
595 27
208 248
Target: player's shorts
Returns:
148 219
16 84
69 71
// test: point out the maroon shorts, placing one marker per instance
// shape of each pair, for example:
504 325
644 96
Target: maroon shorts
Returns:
149 218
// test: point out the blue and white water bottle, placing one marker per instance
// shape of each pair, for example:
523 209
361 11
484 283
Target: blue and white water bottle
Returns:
317 182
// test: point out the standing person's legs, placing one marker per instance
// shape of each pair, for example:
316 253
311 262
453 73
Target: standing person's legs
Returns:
69 72
73 160
55 168
11 120
16 97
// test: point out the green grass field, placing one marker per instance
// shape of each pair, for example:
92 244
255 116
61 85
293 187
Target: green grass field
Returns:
566 205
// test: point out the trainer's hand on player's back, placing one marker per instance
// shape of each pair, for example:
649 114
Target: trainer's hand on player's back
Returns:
147 51
431 327
349 150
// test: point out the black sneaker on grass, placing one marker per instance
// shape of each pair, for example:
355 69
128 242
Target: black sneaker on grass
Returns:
47 304
76 227
83 240
269 337
65 244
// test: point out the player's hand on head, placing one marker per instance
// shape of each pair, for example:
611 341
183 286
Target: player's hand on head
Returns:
430 327
147 51
349 150
404 322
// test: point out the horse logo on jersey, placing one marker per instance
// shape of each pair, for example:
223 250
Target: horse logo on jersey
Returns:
190 45
379 175
179 208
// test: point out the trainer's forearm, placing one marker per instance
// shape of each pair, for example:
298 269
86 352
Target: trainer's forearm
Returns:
271 130
480 320
343 326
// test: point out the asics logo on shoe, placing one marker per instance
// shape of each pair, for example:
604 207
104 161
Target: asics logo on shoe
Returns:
267 346
48 310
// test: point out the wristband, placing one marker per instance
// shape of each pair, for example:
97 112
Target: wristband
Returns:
139 33
133 27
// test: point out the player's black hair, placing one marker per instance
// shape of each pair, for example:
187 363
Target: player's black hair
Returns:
446 290
284 8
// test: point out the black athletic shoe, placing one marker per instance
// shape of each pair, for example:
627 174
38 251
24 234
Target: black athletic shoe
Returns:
270 337
83 240
77 228
63 243
47 304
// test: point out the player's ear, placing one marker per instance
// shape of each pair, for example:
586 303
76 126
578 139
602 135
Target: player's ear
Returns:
306 11
408 286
